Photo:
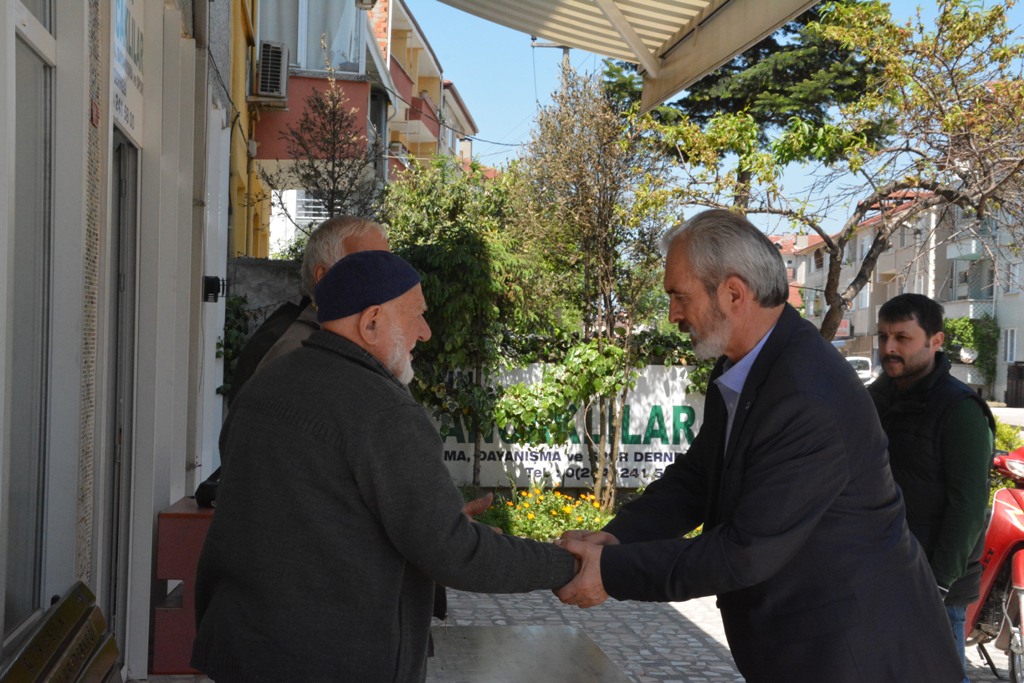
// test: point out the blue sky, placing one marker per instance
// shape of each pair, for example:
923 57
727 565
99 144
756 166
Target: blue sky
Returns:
502 79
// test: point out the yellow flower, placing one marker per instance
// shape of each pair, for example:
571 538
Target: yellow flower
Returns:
529 516
540 498
526 505
567 509
579 519
554 512
537 491
597 505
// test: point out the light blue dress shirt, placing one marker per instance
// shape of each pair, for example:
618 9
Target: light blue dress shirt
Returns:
731 382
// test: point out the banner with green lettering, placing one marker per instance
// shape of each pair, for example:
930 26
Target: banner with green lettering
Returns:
659 422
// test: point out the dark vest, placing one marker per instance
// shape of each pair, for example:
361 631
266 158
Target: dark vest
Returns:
913 422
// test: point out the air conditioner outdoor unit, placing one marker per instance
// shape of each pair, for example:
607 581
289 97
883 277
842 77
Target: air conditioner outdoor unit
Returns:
272 71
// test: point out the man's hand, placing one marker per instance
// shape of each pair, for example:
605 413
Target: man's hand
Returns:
596 537
587 589
478 507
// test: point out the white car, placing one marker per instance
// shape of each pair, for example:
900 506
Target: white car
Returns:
862 364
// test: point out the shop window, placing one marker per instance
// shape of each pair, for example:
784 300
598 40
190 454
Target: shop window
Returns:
28 339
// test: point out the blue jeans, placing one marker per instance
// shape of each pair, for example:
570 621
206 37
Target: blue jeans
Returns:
957 615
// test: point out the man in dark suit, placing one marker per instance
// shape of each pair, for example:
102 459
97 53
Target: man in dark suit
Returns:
804 538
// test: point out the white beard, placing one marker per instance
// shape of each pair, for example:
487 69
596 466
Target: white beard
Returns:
399 363
713 344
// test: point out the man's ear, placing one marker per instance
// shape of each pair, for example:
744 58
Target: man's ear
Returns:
733 292
319 270
369 325
937 339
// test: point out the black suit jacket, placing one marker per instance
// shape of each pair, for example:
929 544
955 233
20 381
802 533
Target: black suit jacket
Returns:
804 540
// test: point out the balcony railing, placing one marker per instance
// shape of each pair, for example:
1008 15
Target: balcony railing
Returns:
967 249
969 308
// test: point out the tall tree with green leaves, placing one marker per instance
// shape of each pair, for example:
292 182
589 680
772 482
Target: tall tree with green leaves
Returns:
600 198
954 90
795 72
449 222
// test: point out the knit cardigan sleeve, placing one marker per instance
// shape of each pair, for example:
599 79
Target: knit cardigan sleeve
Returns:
403 479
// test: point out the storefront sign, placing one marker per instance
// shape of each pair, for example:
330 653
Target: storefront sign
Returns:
126 81
659 422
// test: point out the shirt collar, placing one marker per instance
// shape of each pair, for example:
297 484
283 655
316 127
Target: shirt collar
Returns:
735 376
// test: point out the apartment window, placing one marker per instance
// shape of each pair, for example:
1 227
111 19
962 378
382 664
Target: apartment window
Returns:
28 338
303 24
1012 279
863 245
818 262
308 209
863 297
1010 345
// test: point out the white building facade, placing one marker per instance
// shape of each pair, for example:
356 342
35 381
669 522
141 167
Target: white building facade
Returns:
941 253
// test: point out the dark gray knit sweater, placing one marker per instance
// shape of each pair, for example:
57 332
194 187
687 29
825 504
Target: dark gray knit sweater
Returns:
334 517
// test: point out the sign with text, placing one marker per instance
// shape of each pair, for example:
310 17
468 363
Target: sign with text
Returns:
659 421
126 51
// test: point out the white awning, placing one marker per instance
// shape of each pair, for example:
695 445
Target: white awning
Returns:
675 42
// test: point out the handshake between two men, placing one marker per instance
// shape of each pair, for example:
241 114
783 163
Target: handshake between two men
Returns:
586 589
336 514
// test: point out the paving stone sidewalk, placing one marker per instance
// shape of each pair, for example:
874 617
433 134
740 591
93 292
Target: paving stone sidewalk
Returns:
651 642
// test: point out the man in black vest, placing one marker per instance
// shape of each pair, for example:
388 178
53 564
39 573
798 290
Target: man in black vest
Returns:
940 447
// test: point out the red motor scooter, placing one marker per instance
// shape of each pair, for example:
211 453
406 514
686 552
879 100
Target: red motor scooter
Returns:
996 616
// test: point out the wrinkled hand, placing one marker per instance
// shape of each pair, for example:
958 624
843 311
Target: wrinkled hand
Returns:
587 589
478 507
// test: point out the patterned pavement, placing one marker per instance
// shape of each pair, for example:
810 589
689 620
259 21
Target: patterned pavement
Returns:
651 642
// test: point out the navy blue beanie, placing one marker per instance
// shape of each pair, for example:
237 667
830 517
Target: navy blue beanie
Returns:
361 280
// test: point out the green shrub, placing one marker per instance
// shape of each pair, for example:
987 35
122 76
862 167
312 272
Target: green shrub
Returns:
236 333
1007 437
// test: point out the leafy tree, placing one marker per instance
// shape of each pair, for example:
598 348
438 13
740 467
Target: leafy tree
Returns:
599 199
777 104
329 157
955 94
795 73
449 223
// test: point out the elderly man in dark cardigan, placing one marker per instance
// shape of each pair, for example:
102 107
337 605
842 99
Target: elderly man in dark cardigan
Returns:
336 513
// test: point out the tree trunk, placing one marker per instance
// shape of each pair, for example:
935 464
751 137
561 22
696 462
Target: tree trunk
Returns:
592 452
477 435
741 200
